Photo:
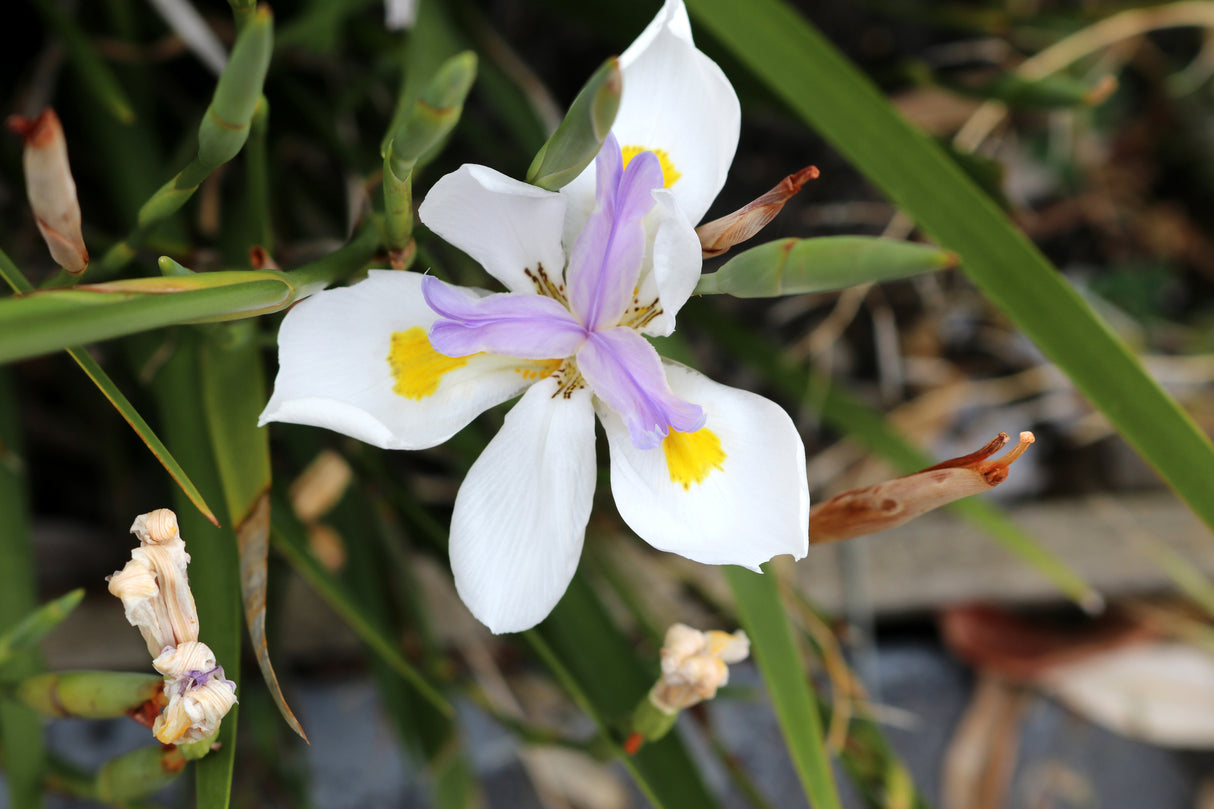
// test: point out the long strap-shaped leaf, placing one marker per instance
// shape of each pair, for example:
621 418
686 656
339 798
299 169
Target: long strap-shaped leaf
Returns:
12 275
831 95
20 728
775 650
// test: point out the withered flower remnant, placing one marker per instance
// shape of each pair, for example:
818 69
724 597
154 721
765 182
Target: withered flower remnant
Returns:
719 235
694 666
893 502
155 590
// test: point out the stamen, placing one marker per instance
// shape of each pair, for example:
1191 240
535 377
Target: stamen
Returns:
544 285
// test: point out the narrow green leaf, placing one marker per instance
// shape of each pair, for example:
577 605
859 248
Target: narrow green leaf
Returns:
775 650
214 560
794 266
600 667
54 319
580 135
50 321
36 626
233 387
573 686
152 441
90 366
20 728
289 540
830 94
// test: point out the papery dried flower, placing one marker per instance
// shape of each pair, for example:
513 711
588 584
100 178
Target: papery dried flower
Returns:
719 235
155 590
694 665
154 586
894 502
51 189
198 702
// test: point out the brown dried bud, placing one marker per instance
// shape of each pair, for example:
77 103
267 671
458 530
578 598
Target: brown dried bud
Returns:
893 502
51 189
719 235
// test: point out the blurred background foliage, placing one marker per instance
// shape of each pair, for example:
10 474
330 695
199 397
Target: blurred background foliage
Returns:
1086 125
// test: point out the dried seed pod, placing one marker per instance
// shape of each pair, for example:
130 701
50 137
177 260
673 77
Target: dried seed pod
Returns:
51 189
717 236
893 502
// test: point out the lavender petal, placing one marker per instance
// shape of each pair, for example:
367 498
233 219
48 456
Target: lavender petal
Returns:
605 262
512 324
626 373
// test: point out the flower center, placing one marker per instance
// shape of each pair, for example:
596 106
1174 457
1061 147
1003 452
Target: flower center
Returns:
691 457
670 175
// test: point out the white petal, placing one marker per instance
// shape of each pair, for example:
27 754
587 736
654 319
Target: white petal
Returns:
672 264
676 99
672 18
334 371
753 507
520 516
507 226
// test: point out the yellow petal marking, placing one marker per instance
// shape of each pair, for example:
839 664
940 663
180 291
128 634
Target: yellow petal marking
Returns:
691 457
416 366
670 175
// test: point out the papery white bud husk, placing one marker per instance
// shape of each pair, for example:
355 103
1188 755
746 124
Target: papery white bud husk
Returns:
194 655
156 526
681 643
170 561
136 585
694 665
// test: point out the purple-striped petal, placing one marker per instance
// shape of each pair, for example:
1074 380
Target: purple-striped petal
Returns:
625 372
605 262
529 327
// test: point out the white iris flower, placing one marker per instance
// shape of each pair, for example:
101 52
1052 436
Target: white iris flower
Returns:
404 361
